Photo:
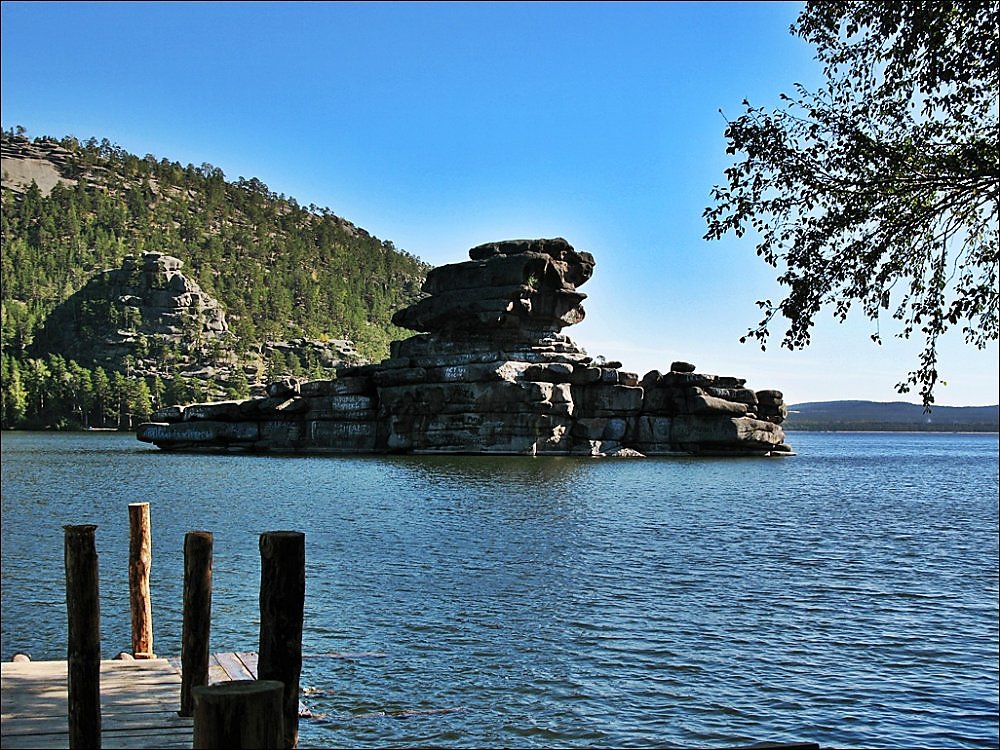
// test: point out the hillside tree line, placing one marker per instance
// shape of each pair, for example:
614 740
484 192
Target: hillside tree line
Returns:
281 270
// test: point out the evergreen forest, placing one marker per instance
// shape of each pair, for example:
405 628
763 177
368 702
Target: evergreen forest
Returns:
281 271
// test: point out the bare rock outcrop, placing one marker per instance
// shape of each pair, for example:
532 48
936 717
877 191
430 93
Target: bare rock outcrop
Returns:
490 371
525 286
146 299
44 163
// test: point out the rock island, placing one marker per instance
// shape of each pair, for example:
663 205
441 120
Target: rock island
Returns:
489 371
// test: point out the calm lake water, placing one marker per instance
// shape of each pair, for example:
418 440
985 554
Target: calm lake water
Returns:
846 596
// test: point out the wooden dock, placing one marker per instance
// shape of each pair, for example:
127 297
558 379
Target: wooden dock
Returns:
139 701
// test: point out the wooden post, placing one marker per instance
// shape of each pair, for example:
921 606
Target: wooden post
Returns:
83 652
197 619
282 601
238 714
140 557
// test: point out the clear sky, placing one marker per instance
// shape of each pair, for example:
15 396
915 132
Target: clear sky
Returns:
442 126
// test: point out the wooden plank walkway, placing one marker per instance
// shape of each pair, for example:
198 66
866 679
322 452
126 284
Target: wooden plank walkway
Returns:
139 701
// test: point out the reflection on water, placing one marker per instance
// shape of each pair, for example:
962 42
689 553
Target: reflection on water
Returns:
847 596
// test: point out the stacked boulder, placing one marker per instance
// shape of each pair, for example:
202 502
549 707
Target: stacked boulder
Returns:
689 412
489 371
527 287
169 302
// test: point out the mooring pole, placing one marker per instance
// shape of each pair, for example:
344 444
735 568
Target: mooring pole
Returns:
238 715
282 602
83 652
140 557
197 618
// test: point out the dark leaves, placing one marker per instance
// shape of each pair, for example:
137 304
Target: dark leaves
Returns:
881 188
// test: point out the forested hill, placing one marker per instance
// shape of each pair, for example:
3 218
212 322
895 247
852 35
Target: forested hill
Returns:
74 211
893 416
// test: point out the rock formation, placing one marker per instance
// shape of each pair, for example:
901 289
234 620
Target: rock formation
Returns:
149 299
329 353
489 371
127 318
45 163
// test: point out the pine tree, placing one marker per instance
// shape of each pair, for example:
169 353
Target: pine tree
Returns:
14 405
103 398
140 400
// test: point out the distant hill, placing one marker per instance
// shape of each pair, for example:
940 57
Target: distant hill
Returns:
280 270
896 416
171 281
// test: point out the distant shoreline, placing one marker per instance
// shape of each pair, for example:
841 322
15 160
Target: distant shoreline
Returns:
898 416
893 430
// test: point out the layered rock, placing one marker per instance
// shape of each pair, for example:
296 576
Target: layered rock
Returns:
148 299
328 353
528 286
696 413
44 163
169 302
489 371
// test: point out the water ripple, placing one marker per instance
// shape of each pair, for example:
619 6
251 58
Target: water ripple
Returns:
846 597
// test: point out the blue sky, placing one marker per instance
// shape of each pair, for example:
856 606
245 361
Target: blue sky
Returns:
442 126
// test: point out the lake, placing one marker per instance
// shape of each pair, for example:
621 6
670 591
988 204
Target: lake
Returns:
845 596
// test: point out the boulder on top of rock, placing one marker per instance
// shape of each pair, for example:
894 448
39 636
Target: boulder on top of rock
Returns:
521 285
581 263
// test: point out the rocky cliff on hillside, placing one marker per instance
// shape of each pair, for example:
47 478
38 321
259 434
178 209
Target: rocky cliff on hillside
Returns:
149 311
146 303
489 371
23 162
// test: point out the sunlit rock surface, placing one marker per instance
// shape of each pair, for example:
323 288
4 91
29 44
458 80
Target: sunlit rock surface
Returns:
489 371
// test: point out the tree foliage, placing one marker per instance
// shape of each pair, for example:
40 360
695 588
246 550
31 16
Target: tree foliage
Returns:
280 270
879 190
55 393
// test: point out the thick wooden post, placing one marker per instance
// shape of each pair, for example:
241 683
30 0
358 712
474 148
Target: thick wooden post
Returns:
282 601
197 619
238 714
140 557
83 652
